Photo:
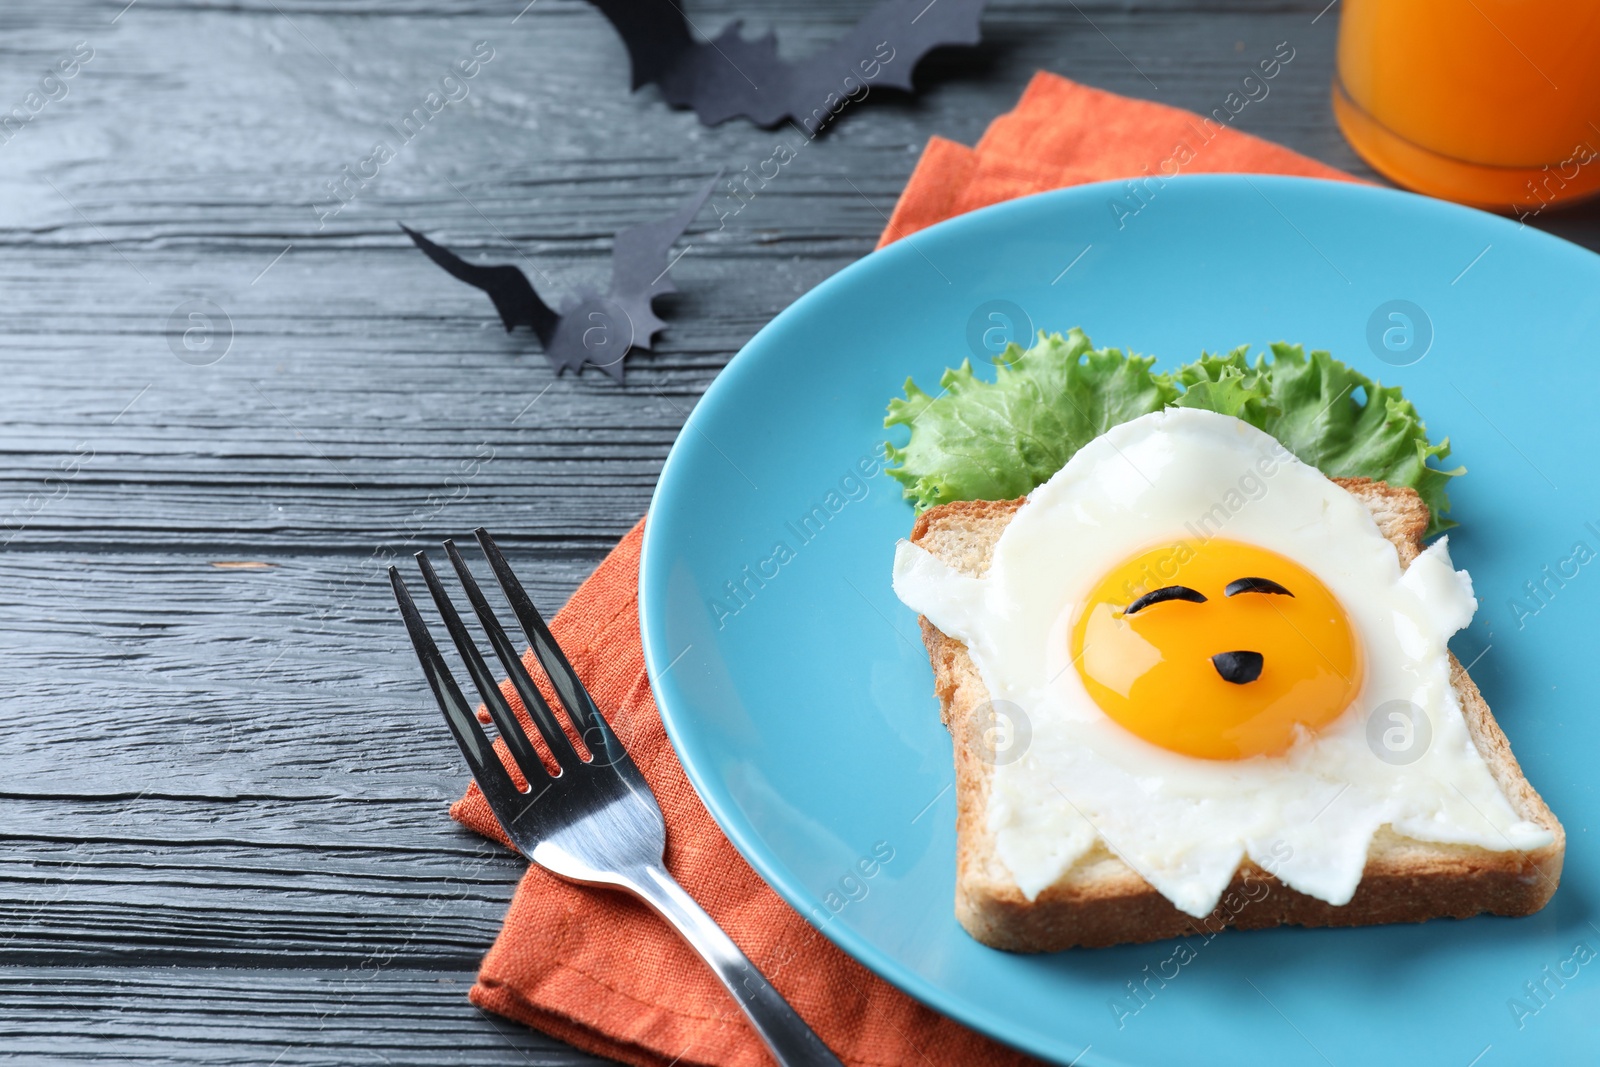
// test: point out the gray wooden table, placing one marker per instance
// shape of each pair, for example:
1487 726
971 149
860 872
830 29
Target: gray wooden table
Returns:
224 789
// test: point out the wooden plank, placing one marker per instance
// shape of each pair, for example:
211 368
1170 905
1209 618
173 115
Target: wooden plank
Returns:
327 883
289 1018
292 680
236 787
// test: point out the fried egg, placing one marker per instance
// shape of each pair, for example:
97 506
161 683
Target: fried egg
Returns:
1218 656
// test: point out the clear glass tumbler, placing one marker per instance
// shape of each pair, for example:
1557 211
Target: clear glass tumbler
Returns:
1494 103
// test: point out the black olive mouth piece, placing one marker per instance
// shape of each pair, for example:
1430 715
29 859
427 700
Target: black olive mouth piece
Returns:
1240 668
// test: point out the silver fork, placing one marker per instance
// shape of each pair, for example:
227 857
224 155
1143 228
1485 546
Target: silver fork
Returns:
596 822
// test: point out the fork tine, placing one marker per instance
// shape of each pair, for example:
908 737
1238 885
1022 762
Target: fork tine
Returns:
538 708
504 719
592 725
486 767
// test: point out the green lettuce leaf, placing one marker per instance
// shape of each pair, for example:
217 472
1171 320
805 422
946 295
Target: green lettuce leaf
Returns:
1228 385
1315 410
979 440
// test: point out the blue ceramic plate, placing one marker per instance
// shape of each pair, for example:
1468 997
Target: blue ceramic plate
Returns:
796 689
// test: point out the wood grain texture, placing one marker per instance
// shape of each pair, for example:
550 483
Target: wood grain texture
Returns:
222 804
172 1016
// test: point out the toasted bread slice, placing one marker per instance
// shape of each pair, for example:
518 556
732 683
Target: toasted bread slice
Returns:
1101 901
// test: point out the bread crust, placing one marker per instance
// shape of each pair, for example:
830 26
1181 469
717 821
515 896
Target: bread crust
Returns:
1101 901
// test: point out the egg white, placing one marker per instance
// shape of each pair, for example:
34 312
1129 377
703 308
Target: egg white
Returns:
1185 824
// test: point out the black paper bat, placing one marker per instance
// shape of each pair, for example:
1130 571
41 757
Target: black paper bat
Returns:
734 76
597 328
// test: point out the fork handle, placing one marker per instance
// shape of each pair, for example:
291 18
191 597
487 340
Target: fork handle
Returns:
791 1042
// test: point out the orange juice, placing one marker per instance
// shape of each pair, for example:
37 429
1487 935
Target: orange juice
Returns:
1494 103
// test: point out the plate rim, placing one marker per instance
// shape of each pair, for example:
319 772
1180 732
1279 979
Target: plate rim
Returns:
745 840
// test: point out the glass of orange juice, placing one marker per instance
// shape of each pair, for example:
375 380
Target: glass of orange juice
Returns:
1494 103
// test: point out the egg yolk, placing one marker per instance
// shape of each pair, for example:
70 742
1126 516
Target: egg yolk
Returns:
1216 649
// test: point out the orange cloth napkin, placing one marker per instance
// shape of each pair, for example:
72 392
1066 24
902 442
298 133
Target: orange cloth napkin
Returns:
1063 133
597 969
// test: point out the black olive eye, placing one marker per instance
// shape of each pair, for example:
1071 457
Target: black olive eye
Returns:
1255 585
1166 592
